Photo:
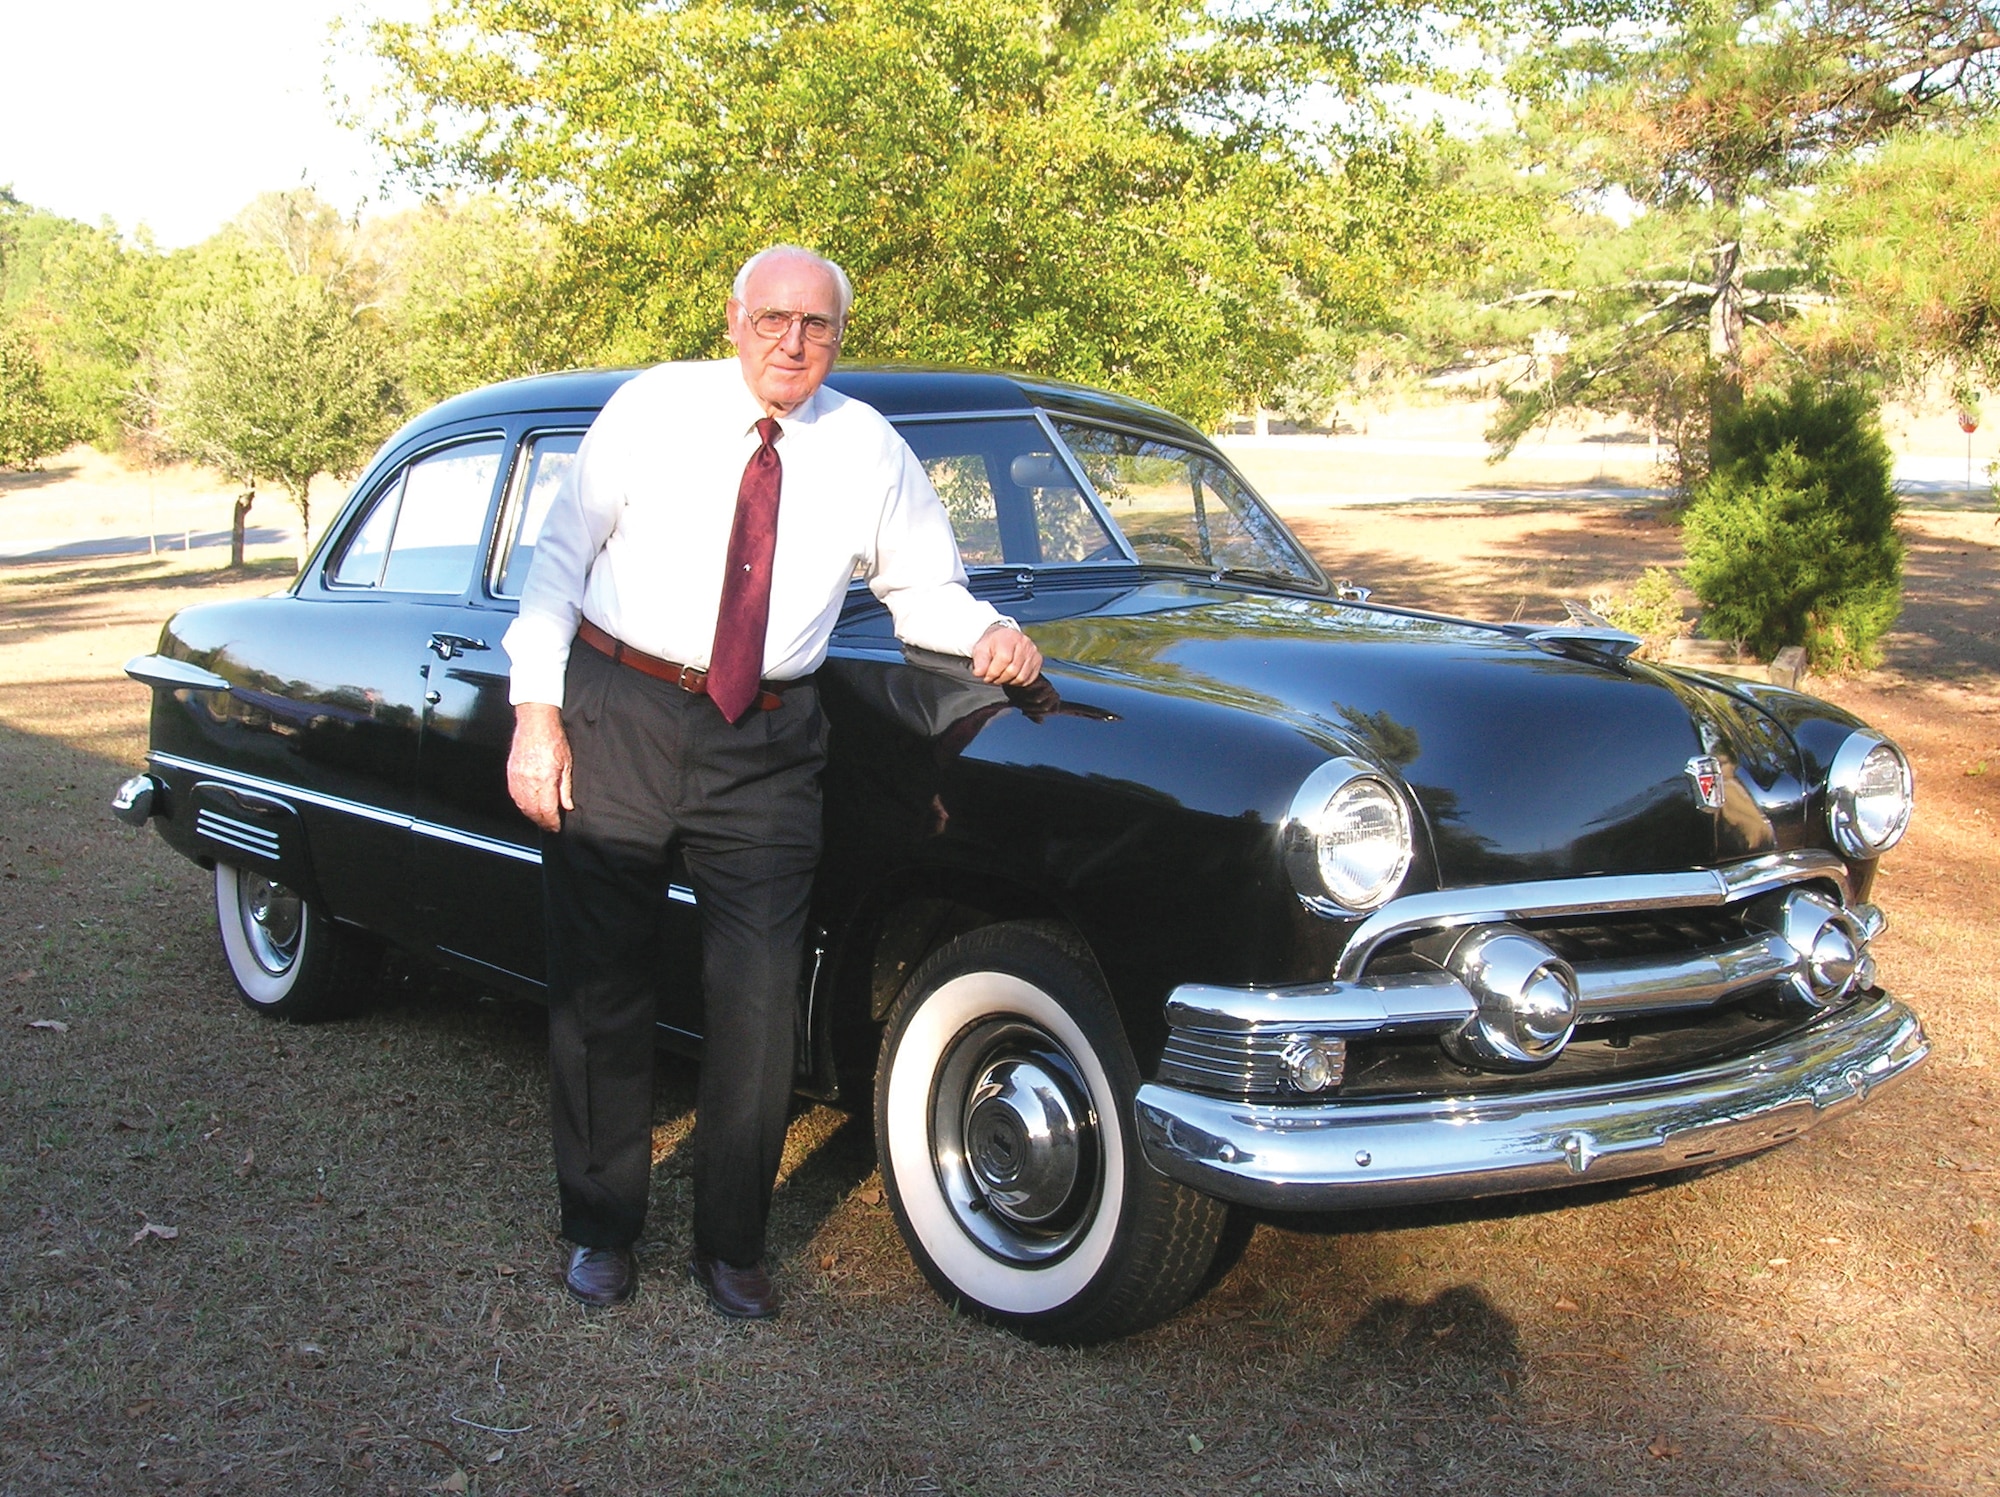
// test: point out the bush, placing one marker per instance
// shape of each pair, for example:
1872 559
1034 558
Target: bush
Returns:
1651 610
1791 540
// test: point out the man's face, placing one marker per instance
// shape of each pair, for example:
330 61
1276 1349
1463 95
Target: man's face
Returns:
783 372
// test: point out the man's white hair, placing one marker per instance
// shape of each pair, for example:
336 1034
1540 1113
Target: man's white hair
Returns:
741 287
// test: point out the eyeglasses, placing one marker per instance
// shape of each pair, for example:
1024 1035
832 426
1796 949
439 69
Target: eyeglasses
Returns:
775 323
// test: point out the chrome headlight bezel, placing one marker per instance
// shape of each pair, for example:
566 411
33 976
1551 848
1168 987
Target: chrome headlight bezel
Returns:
1859 830
1330 796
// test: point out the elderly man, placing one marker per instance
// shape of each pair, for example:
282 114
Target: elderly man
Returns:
683 591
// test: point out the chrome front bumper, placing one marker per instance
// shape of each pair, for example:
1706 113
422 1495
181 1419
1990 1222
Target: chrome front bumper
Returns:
1332 1154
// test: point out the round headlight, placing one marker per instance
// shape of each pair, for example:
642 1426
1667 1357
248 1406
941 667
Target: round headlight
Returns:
1869 795
1347 838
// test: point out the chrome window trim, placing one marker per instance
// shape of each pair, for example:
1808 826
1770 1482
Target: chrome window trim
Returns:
678 893
1597 894
176 675
329 547
497 539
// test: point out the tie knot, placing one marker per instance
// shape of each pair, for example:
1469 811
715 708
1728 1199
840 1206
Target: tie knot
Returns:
768 431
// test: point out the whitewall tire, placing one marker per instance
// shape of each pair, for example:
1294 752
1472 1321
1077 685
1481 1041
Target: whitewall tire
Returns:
288 960
1003 1114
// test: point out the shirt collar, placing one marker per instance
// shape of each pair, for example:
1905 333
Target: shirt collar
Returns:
751 410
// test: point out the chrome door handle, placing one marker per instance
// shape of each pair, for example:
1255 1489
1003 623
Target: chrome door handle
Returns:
445 646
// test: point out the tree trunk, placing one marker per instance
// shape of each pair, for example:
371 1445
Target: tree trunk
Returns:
236 523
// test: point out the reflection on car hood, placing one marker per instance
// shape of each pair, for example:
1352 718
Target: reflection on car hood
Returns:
1525 763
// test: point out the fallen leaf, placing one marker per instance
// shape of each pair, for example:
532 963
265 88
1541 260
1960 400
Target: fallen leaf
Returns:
872 1196
56 1024
1194 1444
155 1229
456 1482
242 1171
1663 1448
495 1457
1979 1228
826 1262
1565 1303
27 976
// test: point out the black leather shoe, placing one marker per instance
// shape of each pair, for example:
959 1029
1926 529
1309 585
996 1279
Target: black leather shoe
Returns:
602 1276
739 1293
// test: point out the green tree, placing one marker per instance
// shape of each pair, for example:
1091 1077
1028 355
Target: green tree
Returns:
1708 125
1912 239
31 424
1791 540
279 383
1108 190
484 294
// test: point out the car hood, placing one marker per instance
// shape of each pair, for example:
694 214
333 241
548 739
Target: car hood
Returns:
1524 763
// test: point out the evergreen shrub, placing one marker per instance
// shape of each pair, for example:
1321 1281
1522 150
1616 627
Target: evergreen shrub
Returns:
1791 540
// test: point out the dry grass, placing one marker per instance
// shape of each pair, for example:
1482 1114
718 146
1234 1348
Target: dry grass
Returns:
362 1271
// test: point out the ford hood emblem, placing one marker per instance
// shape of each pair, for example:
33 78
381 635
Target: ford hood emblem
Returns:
1706 772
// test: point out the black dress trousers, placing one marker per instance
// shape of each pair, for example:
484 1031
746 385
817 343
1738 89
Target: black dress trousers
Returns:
654 766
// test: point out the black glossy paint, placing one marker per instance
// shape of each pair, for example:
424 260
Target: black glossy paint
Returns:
1135 794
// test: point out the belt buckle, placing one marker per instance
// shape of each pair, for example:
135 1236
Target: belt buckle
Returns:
691 680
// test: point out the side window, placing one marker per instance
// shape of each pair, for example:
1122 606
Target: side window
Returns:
546 458
1011 498
421 533
961 482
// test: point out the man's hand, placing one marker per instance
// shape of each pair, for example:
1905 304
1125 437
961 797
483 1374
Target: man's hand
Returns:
1005 656
538 765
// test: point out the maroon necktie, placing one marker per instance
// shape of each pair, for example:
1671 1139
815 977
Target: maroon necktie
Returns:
736 661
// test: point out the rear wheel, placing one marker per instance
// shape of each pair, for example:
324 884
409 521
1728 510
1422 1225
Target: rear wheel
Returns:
289 960
1003 1119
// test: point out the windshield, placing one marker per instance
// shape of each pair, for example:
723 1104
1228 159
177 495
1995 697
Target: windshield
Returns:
1179 507
1014 500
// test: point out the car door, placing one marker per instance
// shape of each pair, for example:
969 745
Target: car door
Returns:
477 858
390 602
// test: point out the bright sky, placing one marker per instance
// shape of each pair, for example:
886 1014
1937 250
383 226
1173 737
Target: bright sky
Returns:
175 113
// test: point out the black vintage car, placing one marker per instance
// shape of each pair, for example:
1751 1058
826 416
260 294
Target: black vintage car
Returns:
1266 894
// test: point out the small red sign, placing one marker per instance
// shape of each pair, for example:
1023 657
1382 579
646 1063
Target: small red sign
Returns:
1967 422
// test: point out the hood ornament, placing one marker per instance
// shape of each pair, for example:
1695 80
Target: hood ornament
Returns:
1705 770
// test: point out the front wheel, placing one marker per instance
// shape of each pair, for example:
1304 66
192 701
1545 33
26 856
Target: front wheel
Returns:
289 960
1003 1120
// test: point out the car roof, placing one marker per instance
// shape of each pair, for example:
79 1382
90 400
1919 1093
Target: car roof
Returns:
894 390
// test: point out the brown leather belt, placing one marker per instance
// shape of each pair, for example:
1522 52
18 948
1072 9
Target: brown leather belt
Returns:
686 677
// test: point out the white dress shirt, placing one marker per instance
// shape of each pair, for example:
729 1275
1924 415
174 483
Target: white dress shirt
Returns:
638 534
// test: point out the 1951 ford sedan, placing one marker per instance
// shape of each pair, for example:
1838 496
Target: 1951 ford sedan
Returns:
1266 893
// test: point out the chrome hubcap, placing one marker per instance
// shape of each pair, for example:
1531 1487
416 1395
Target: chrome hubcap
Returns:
1014 1141
272 919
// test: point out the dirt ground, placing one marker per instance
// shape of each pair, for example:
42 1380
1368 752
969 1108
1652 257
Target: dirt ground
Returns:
241 1256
